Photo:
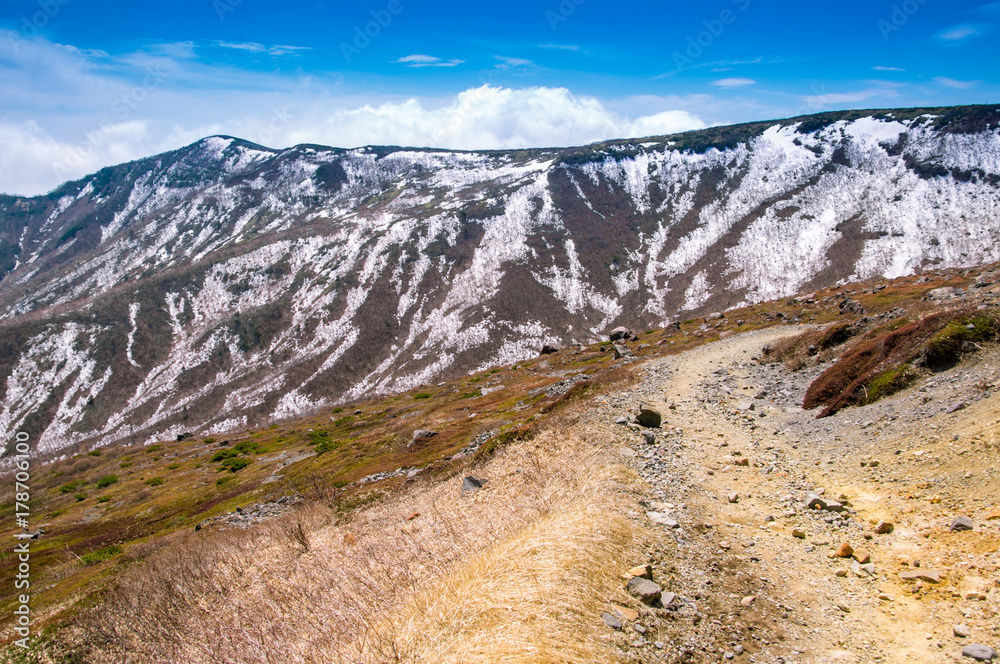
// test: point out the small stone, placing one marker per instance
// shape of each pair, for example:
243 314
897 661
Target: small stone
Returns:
471 484
961 631
611 621
841 573
884 527
816 502
743 462
975 597
628 614
666 599
729 654
748 600
930 576
955 407
862 556
662 519
961 523
843 607
738 650
644 590
641 629
799 533
643 571
733 497
845 550
885 598
979 652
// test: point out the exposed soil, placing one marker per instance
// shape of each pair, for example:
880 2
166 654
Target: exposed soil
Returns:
905 459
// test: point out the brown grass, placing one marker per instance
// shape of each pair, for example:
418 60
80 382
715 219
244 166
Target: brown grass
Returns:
511 573
844 383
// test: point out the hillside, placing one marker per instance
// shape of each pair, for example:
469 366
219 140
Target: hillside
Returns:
227 286
349 536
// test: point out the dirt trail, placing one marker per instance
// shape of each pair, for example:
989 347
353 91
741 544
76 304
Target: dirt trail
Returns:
732 465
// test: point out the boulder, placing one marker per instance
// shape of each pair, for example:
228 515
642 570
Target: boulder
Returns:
649 416
622 351
421 435
620 333
549 349
940 293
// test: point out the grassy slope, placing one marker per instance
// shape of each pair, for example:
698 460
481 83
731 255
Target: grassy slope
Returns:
140 517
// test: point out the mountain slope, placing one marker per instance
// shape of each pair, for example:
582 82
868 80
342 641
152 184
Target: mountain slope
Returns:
224 284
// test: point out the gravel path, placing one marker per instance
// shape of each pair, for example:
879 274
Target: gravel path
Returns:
750 567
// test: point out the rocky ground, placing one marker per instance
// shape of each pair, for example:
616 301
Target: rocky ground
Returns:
750 573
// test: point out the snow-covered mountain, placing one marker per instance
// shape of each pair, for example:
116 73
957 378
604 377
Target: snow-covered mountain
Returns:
227 284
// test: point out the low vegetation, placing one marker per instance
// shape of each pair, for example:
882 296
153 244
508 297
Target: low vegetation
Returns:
144 559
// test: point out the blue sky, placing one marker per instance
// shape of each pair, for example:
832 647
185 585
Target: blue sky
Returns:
87 83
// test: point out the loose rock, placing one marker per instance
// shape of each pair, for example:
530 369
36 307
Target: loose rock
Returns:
620 333
884 527
611 621
471 484
979 652
961 523
644 590
649 416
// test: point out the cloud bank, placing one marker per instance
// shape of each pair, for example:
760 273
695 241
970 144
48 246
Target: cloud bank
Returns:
33 160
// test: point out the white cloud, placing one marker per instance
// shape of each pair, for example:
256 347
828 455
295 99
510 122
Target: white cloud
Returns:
734 82
33 160
420 60
513 63
826 99
254 47
960 33
882 68
952 83
490 118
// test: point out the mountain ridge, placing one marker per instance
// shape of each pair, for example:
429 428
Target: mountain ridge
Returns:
225 282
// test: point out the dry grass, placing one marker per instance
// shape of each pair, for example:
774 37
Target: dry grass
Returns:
511 573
